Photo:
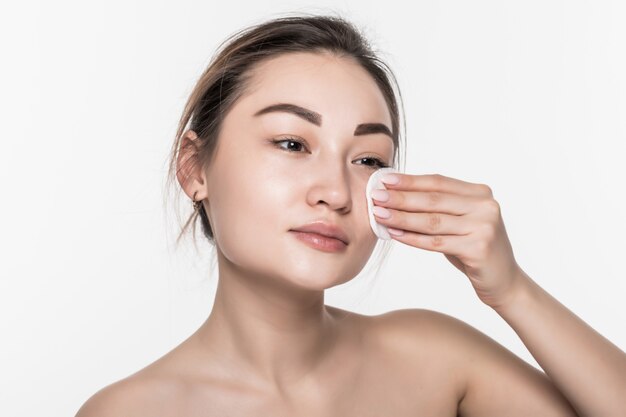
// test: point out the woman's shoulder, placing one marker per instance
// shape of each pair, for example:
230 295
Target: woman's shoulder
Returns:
418 333
413 329
421 333
142 393
479 364
428 328
426 350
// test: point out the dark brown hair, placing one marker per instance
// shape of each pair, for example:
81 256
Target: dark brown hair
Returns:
229 71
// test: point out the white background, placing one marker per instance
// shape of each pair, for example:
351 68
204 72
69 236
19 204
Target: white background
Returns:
527 97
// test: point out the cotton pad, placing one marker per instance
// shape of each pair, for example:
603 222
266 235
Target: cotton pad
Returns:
373 183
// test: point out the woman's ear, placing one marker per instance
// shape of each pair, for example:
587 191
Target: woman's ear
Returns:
188 167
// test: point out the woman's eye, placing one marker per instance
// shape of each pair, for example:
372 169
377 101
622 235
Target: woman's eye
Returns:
289 140
378 163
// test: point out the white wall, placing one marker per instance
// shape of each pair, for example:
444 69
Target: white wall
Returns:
527 97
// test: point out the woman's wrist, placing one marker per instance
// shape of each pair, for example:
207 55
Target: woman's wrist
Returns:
519 296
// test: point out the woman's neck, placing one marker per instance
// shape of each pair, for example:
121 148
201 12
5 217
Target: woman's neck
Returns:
275 334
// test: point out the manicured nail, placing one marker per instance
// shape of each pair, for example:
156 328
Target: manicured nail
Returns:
380 195
390 179
395 232
381 212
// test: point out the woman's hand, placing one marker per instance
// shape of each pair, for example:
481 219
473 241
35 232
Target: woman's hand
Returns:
459 219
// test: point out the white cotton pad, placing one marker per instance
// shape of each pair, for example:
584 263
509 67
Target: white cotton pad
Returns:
375 183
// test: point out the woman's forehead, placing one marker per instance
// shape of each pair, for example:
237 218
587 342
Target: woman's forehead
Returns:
310 70
327 84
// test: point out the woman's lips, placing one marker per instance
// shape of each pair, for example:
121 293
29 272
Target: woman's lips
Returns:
323 243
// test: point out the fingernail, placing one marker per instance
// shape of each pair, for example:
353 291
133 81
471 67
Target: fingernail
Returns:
380 195
381 212
395 232
390 179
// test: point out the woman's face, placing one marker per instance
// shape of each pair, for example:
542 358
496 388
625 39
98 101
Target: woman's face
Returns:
258 190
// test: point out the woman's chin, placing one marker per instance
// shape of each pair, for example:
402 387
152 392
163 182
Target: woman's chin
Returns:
317 282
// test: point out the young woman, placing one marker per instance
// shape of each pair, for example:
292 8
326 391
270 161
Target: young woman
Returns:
276 144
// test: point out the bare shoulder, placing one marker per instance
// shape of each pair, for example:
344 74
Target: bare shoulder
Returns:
430 340
111 400
138 394
491 379
423 330
445 336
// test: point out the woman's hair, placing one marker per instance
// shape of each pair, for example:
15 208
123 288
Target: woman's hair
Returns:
228 74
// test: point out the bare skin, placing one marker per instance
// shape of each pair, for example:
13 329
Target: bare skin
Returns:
411 362
374 368
272 347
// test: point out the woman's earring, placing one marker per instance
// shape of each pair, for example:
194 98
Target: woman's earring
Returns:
196 204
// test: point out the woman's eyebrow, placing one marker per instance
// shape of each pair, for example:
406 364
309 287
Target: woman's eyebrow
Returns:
316 118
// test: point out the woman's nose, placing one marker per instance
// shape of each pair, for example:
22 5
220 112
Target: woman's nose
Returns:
332 187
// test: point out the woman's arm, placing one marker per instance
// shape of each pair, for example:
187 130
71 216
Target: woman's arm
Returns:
463 221
587 368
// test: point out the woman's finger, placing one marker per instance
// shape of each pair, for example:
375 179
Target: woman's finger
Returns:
437 182
447 244
426 201
424 223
